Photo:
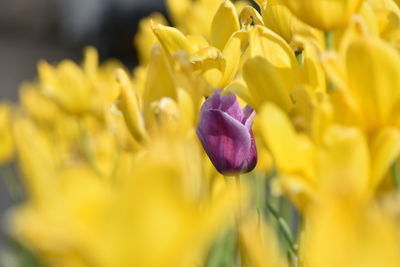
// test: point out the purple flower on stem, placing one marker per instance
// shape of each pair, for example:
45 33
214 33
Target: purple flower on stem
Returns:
225 133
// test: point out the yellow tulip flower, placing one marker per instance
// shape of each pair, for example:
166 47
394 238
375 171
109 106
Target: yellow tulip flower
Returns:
218 61
79 89
339 161
272 70
368 78
156 216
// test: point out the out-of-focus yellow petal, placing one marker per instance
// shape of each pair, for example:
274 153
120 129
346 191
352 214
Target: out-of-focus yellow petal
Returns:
385 148
387 15
145 38
340 233
186 111
6 138
37 167
171 39
343 162
91 62
293 153
130 107
164 85
188 226
260 245
374 76
324 14
301 192
67 85
239 88
312 72
224 24
281 20
265 83
37 105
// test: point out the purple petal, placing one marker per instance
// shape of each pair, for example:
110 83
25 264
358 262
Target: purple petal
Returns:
212 102
252 158
226 141
248 118
230 105
226 103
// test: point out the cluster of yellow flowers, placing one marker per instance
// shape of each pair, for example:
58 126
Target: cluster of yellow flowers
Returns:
116 176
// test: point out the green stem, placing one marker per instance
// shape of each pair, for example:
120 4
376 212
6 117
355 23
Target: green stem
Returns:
237 221
87 147
10 181
299 57
285 230
396 176
329 40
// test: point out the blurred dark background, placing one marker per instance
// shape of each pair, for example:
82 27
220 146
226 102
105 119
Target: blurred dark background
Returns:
55 29
31 30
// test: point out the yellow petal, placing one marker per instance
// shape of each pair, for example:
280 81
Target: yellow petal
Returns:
300 191
374 78
265 83
91 62
239 88
265 43
38 167
293 153
324 14
145 38
343 162
249 15
6 138
259 243
163 85
232 54
171 39
385 148
130 107
224 24
281 20
312 72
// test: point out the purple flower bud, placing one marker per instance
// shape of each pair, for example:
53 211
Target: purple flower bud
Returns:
225 133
